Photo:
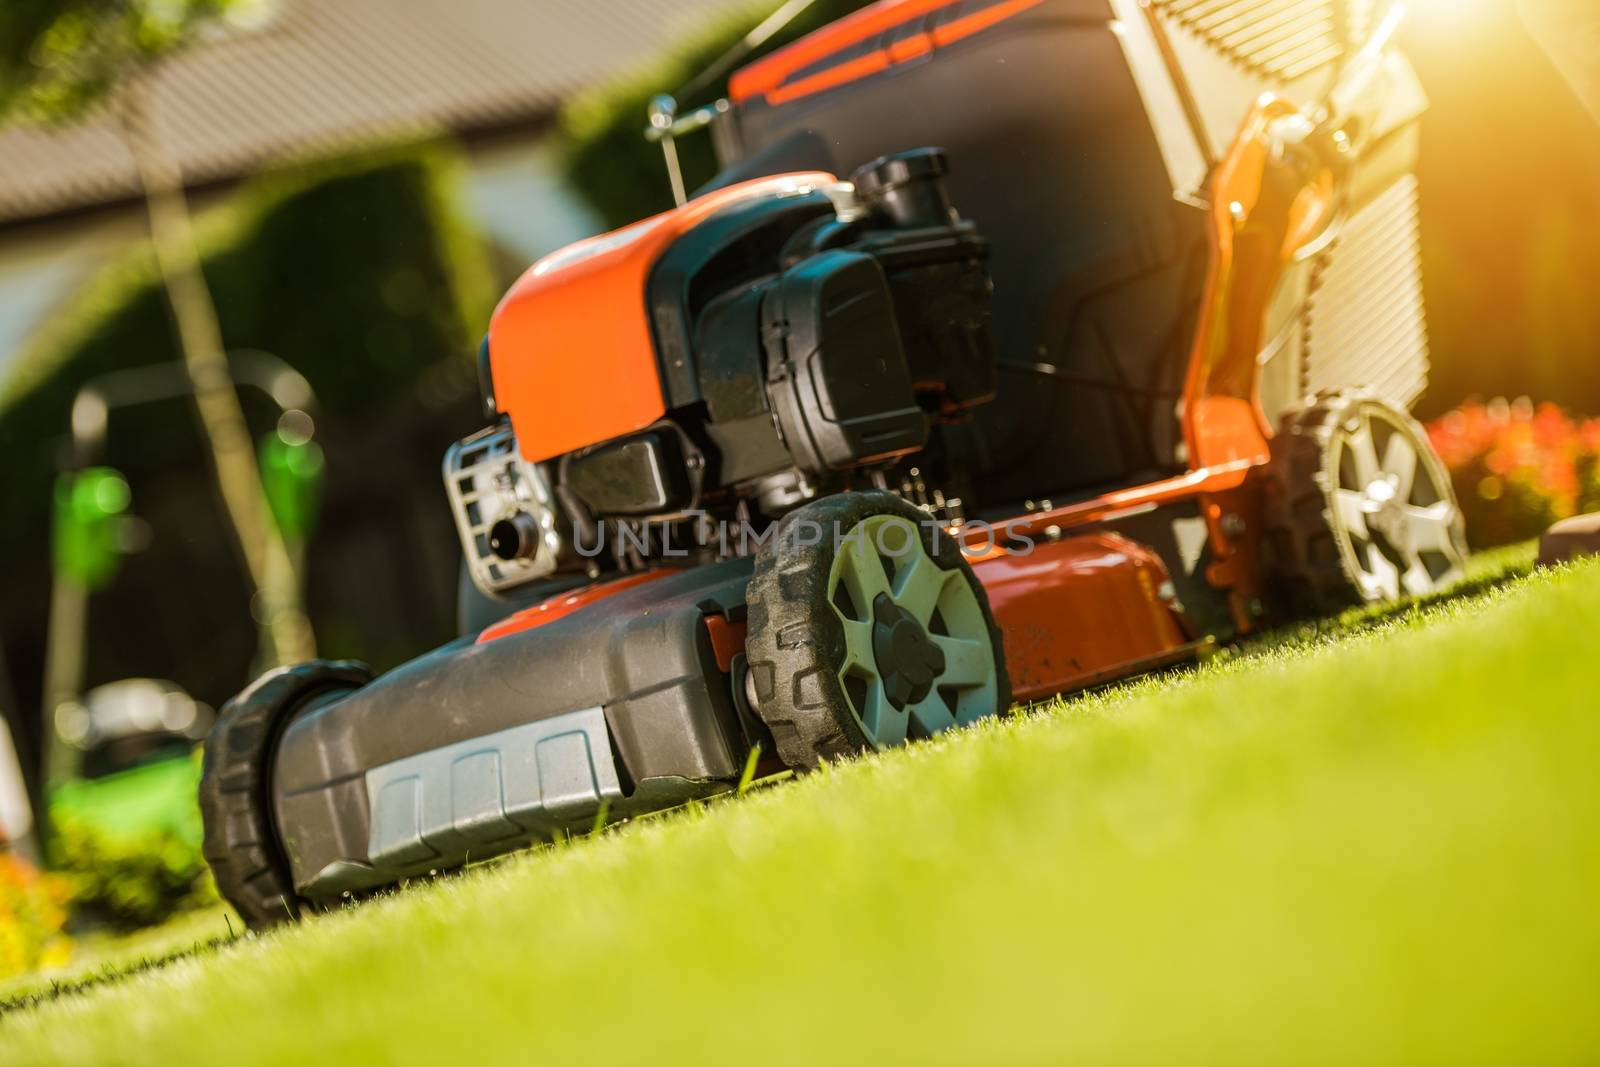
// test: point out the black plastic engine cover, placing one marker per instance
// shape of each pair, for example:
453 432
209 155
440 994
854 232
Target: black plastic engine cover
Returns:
837 377
642 474
734 248
939 279
1097 269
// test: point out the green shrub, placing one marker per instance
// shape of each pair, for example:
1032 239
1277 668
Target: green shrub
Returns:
607 159
131 881
128 843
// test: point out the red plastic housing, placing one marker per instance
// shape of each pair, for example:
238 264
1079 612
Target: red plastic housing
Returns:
1080 610
789 74
570 346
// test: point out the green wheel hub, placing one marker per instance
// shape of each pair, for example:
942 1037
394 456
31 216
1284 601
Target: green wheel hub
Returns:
907 659
919 657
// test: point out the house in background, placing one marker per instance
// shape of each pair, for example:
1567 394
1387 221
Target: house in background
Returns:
315 76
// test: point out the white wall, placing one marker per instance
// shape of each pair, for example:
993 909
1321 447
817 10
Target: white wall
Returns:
42 266
516 195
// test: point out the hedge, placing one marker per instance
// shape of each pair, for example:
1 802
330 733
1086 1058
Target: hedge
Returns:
359 272
128 844
606 157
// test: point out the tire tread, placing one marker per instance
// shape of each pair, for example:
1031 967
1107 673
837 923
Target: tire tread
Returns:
240 842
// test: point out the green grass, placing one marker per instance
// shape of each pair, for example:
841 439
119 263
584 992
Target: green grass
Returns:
102 956
1371 841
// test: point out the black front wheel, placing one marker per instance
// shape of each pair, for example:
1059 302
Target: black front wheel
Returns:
867 629
241 842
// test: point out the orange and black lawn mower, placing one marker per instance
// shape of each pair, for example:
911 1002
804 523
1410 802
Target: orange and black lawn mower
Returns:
1020 346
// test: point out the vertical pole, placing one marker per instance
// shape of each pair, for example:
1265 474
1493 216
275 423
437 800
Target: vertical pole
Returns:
663 113
285 628
669 148
63 674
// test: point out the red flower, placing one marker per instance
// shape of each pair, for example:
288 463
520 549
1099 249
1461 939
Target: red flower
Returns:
1518 467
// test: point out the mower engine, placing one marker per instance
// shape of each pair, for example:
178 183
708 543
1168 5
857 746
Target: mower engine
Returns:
729 360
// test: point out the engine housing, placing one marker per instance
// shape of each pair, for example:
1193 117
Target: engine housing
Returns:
798 334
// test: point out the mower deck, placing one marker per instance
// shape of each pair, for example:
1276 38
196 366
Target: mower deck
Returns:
627 695
476 749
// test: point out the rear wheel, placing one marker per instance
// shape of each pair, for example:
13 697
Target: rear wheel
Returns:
867 629
241 842
1362 509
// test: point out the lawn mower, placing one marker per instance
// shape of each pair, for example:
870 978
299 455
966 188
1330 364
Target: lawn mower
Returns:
1099 352
133 771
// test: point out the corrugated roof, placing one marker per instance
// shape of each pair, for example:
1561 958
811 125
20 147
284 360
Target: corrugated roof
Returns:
326 72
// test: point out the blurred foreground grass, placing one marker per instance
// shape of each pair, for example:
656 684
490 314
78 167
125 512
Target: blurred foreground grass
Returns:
107 955
1375 839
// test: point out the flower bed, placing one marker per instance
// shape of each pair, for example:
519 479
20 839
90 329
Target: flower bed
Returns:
33 910
1518 467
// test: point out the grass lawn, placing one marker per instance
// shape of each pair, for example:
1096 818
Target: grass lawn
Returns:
107 955
1371 841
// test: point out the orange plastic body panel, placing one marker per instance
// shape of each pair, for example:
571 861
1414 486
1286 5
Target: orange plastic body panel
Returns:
727 639
1266 207
1074 611
559 607
1220 491
769 78
1263 211
570 345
